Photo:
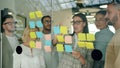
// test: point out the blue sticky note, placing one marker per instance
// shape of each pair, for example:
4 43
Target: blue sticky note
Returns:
39 24
32 24
48 42
68 48
39 34
56 29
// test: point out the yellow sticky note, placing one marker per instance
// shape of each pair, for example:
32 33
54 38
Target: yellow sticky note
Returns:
81 44
38 44
63 30
81 37
90 37
60 47
89 45
39 14
32 15
68 39
32 44
32 35
47 48
48 37
60 38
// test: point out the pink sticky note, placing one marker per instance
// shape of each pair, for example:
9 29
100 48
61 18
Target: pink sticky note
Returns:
38 44
48 37
47 48
68 39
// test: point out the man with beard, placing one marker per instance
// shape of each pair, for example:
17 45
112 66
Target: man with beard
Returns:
51 58
113 49
9 41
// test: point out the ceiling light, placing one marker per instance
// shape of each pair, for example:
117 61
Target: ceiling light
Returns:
103 6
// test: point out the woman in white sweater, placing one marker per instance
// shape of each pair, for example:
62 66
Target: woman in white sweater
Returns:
30 57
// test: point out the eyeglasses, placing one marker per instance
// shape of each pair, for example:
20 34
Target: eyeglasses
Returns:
76 22
47 22
10 23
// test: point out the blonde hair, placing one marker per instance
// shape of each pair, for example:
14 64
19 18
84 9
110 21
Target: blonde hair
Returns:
26 33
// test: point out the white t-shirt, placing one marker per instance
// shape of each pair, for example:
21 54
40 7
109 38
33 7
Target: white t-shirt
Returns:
28 59
13 41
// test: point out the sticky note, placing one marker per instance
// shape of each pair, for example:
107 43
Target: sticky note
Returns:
32 15
38 44
48 42
81 44
32 44
63 30
32 24
81 37
56 29
39 24
89 45
60 38
38 14
60 47
68 48
32 35
47 48
90 37
39 34
68 39
47 36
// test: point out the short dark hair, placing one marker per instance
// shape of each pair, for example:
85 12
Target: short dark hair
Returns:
47 16
5 17
103 12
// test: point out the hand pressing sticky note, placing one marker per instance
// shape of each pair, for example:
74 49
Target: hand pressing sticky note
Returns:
47 48
48 42
90 37
47 36
81 44
60 47
38 44
39 34
81 37
32 15
32 24
63 30
68 39
60 38
39 14
56 29
68 48
32 35
39 24
89 45
32 44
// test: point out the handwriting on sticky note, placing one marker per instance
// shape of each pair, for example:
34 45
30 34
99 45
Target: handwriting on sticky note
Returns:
68 48
32 44
48 42
63 30
90 37
39 14
60 47
47 48
39 24
32 15
56 29
47 36
39 34
32 35
81 37
89 45
60 38
68 39
32 24
38 44
81 44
